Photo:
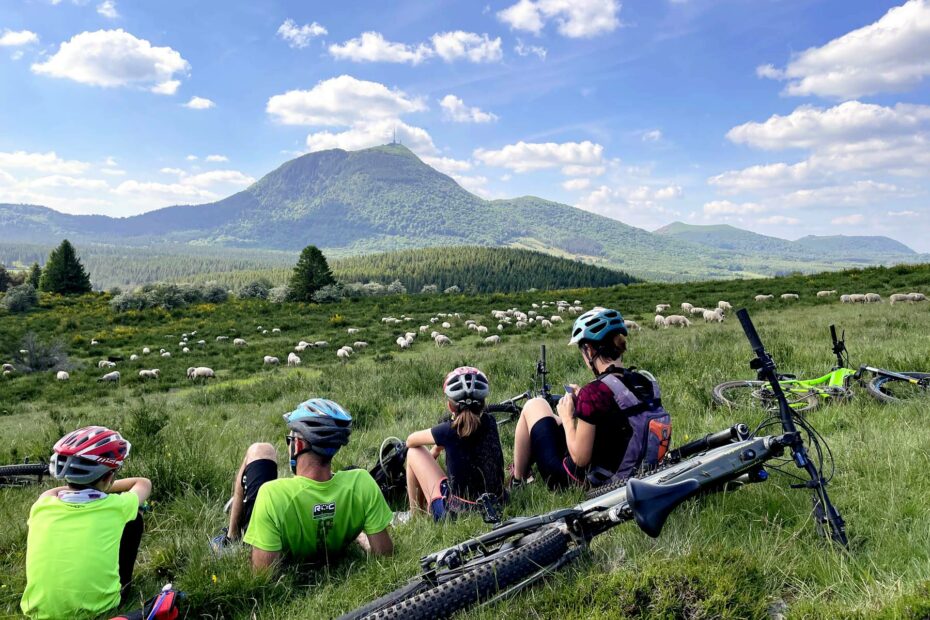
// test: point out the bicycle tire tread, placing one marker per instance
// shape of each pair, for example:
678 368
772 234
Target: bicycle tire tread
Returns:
24 469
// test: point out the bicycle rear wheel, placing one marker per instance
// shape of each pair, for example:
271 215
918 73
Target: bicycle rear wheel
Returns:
492 576
23 474
746 395
890 389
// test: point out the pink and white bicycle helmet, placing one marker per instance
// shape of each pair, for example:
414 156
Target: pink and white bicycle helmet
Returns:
87 454
466 385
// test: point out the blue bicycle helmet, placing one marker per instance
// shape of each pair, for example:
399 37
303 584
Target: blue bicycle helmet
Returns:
322 423
596 325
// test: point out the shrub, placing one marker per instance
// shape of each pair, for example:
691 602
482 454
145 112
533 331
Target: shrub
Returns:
279 294
374 289
215 294
40 355
429 289
20 298
134 300
452 290
396 288
328 294
255 290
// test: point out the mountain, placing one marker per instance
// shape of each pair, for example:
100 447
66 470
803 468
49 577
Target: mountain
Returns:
384 199
726 237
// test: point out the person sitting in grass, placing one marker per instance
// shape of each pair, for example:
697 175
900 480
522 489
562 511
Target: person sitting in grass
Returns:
84 537
474 457
604 430
315 514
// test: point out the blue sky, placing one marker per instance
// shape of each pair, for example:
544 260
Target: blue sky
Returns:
788 117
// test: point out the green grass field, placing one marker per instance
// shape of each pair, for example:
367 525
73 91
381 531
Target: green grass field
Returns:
725 556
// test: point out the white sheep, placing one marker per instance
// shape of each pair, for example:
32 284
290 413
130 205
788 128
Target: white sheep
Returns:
62 376
873 298
764 297
442 341
153 374
483 330
411 336
106 364
555 318
662 307
424 329
185 350
790 296
222 338
271 360
402 342
240 342
110 377
352 330
697 311
899 297
825 293
133 357
146 350
166 354
686 307
202 343
343 355
446 325
8 368
520 324
493 340
264 332
360 344
433 334
916 297
300 348
182 344
94 342
713 316
677 319
631 325
320 344
857 298
660 321
845 299
293 359
200 372
724 305
276 330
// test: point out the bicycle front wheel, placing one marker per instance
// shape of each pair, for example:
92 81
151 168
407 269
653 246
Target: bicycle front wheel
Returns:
890 389
492 576
746 395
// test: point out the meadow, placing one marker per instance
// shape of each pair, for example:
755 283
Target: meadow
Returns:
737 555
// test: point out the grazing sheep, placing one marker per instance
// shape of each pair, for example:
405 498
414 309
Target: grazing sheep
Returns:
520 324
555 318
133 357
697 311
764 297
360 344
110 377
62 376
442 341
493 340
500 327
343 355
660 321
153 374
899 297
202 343
105 364
182 344
790 296
724 305
916 297
402 342
825 293
677 319
200 372
713 316
264 331
320 344
663 307
166 354
483 330
259 328
686 307
845 299
185 350
240 342
300 347
293 360
410 336
146 351
8 367
857 298
94 342
632 325
352 330
276 330
873 298
433 334
424 329
271 360
446 325
222 338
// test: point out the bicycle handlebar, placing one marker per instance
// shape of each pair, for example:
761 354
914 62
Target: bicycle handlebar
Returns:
709 442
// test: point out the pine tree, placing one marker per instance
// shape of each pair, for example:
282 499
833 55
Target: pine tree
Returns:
64 274
35 274
310 275
4 279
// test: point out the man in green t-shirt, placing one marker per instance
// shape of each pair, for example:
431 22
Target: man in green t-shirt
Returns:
317 513
83 537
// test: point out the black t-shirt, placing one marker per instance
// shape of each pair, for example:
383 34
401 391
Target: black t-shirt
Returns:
474 464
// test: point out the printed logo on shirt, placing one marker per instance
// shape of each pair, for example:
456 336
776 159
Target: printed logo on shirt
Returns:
324 512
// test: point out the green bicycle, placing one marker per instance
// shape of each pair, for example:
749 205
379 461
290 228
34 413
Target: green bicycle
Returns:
808 394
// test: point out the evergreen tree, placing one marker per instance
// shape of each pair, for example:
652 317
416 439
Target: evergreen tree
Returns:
4 279
35 274
310 275
64 274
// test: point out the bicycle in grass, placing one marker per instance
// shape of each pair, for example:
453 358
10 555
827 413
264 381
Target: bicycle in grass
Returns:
522 551
836 386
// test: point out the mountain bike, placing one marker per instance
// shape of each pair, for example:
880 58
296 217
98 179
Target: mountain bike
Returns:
522 551
808 394
22 474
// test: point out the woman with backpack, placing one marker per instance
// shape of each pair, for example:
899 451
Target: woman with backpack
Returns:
605 430
474 459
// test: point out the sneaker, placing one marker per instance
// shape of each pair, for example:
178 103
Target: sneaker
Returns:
513 482
222 544
401 517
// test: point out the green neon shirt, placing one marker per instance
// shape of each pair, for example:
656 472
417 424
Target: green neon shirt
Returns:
72 556
309 519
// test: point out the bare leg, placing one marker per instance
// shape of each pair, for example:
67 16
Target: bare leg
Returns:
256 452
423 477
533 411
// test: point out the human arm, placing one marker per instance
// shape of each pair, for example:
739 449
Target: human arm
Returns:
421 438
579 435
380 543
141 487
264 560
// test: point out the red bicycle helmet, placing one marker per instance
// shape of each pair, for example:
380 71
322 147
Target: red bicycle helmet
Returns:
87 454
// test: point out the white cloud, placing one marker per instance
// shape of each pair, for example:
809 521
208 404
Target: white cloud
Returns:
583 171
107 8
191 158
341 101
574 185
372 47
365 134
779 220
58 180
653 135
218 177
725 207
175 171
904 213
574 18
161 194
41 162
217 158
641 204
848 220
474 184
17 55
447 165
455 110
471 46
890 55
199 103
529 156
113 172
112 58
525 50
10 38
299 37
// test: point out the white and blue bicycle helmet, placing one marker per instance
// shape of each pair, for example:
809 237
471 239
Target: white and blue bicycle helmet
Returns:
322 423
596 325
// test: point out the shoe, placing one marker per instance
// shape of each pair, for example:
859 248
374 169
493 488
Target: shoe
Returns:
222 544
401 517
513 482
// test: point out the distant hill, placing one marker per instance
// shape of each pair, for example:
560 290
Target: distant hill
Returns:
385 198
484 270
